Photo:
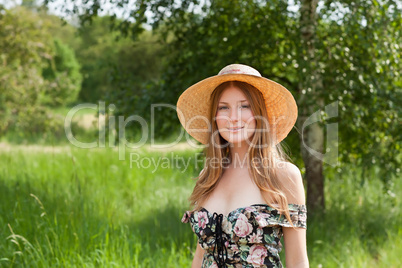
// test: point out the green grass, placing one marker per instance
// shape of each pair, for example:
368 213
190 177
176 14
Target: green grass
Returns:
362 226
86 208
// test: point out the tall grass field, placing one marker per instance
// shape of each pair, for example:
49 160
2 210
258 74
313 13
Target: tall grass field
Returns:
71 207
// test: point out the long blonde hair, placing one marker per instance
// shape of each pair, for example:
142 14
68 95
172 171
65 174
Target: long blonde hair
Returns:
264 155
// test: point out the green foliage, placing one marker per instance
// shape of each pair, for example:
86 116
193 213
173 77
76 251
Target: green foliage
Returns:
113 66
24 53
35 73
119 71
135 77
62 30
359 58
63 72
95 52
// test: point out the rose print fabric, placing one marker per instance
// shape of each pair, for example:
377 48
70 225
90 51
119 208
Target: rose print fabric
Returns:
246 237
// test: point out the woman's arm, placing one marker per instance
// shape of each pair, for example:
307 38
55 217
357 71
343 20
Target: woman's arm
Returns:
295 238
295 247
199 254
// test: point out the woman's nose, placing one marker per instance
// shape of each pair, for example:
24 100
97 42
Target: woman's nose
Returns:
235 115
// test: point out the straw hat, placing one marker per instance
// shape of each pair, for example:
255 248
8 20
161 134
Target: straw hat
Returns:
193 106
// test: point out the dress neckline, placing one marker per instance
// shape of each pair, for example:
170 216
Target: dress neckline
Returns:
236 209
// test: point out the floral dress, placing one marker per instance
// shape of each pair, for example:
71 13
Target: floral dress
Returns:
247 237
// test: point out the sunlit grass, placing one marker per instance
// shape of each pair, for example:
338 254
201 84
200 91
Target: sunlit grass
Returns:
361 226
86 208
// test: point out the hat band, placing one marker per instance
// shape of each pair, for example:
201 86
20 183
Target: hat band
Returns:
239 69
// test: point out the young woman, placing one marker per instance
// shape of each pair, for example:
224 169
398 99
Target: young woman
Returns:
248 195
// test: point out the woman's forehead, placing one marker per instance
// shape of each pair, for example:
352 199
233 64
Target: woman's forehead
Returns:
232 94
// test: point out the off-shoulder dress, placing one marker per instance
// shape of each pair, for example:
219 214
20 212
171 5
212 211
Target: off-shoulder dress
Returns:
246 237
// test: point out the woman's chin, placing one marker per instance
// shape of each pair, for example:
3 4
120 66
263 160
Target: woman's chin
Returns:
237 140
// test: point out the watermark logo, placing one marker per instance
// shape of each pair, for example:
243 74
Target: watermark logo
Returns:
331 141
108 122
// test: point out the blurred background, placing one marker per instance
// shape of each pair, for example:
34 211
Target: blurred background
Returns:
66 206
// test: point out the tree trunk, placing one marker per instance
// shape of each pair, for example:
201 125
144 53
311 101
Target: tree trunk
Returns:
312 133
312 138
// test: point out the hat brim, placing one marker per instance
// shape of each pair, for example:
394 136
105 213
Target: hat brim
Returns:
194 104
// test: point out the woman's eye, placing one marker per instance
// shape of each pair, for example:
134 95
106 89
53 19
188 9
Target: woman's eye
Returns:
245 106
222 107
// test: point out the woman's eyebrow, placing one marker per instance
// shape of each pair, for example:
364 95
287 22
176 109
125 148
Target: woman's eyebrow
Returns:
227 103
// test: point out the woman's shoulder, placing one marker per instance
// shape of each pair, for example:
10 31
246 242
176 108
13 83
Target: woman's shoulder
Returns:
290 175
288 169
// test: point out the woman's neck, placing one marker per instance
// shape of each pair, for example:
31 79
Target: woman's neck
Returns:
238 152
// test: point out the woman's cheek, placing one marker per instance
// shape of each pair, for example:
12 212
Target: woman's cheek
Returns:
249 119
221 120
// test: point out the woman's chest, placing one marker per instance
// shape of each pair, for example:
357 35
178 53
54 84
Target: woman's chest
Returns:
233 191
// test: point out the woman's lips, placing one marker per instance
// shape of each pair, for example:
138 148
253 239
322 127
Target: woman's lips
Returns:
235 129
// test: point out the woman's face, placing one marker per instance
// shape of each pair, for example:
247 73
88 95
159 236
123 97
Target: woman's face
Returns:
235 120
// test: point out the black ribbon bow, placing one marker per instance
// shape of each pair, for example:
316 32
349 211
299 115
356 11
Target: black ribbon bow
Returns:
220 252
